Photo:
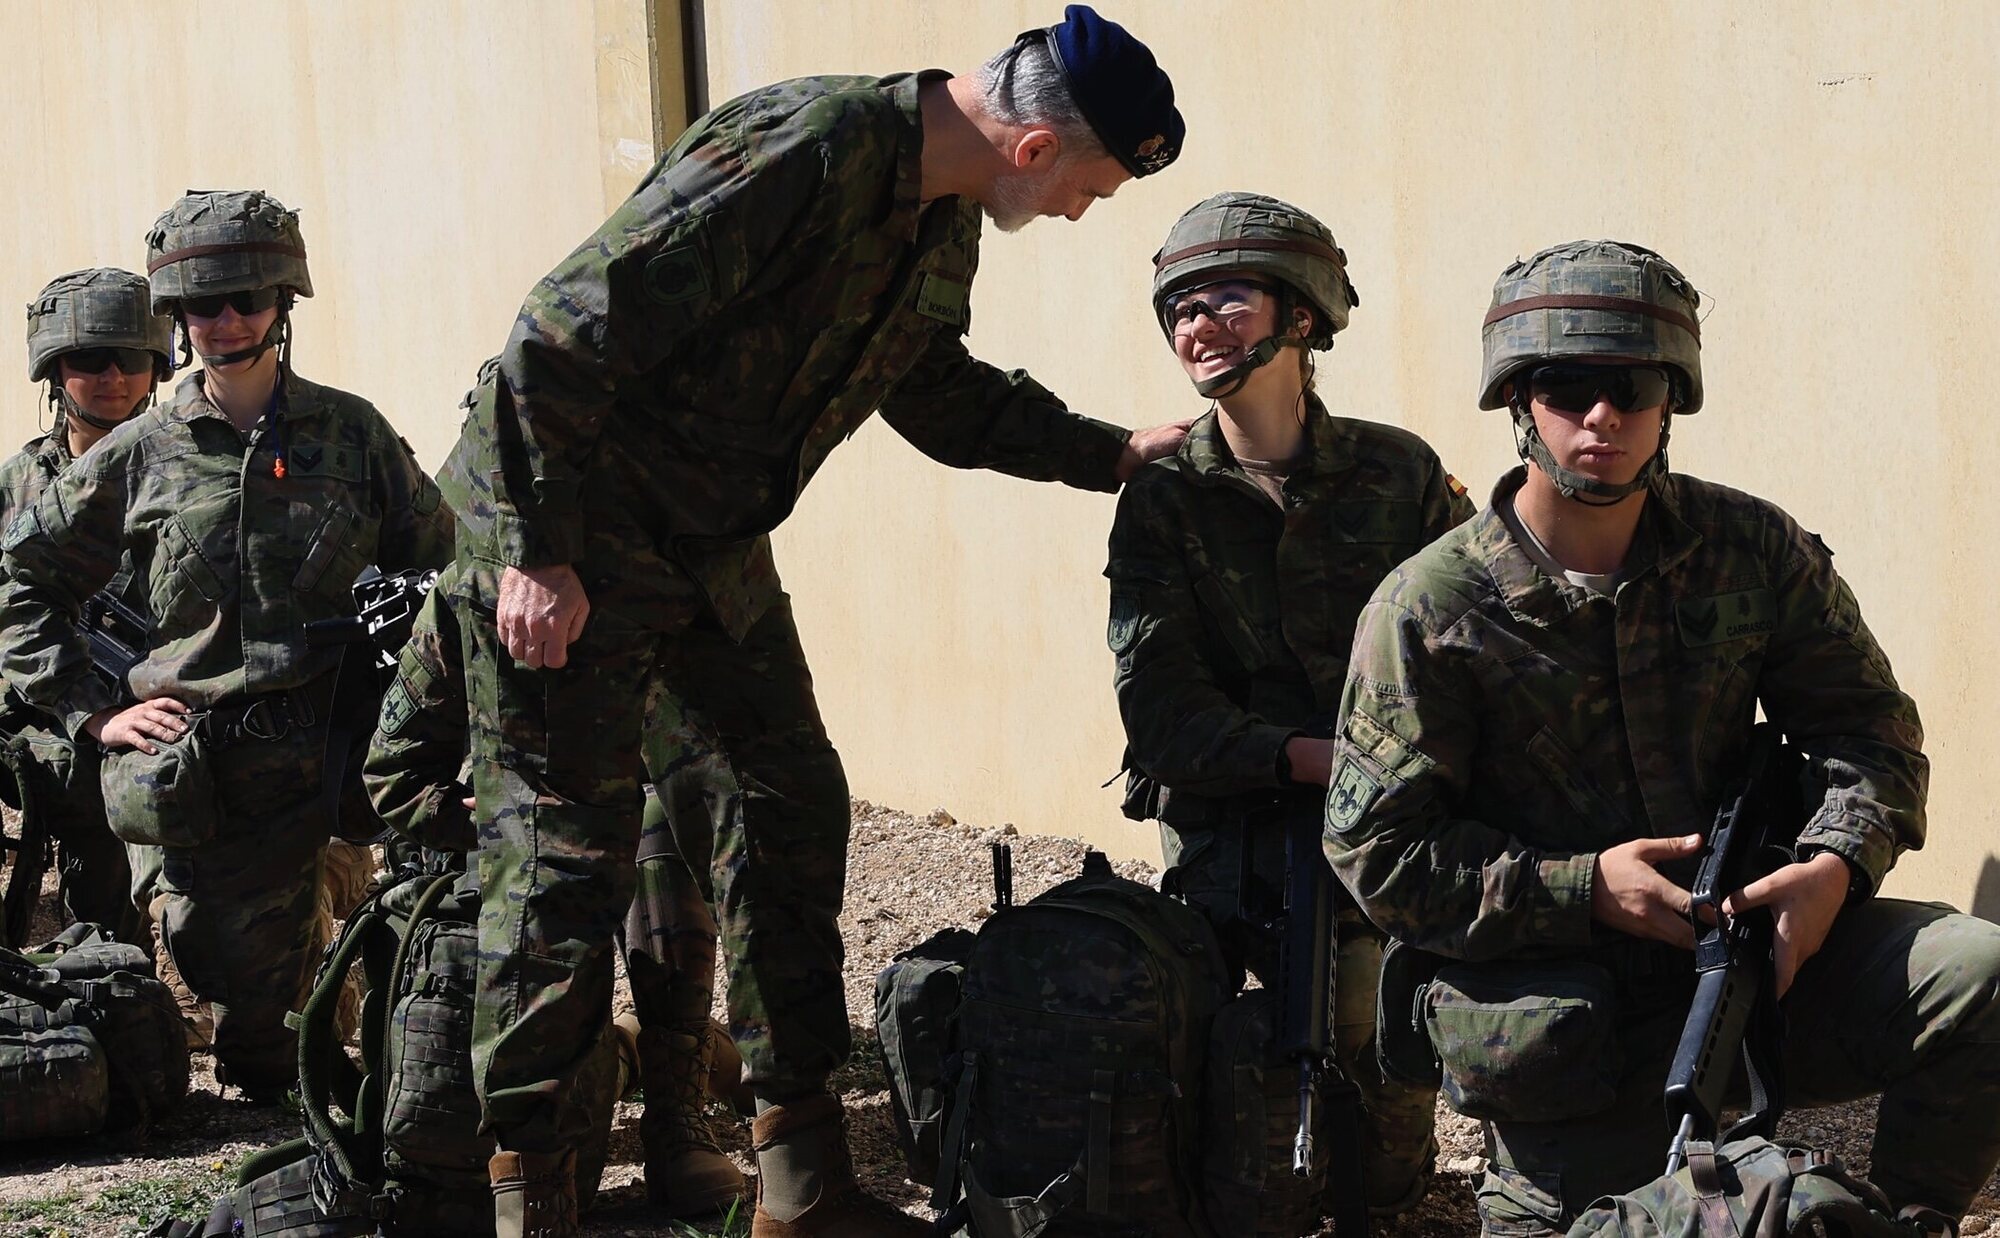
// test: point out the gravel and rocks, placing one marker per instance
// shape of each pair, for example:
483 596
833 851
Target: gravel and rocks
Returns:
909 876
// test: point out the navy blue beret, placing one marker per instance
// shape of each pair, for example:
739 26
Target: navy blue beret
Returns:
1119 87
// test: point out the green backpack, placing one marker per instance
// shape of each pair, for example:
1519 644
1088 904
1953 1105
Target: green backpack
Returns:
89 1040
1754 1188
393 1143
1077 1106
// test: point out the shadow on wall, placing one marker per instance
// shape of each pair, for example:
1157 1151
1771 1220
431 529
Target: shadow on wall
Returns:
1986 895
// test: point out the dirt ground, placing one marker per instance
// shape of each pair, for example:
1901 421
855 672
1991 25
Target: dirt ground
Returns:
909 876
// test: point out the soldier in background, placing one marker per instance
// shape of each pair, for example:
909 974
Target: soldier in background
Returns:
94 339
1542 714
1237 569
248 505
416 779
802 257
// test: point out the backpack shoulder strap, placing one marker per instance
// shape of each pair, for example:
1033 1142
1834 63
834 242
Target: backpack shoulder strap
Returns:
348 1177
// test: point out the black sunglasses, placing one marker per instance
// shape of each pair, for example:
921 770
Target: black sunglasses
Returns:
255 301
1575 388
98 360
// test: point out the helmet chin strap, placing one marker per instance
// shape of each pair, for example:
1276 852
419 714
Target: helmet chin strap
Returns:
67 408
1575 486
276 337
1230 381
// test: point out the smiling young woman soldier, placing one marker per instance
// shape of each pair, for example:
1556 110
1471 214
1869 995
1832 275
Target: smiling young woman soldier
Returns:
1237 568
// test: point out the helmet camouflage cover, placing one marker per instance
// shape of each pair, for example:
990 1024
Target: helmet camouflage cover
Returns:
1251 233
216 241
1592 299
99 308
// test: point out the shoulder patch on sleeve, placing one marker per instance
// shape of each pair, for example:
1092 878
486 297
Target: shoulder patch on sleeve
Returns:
1352 793
397 709
678 274
1454 485
1124 626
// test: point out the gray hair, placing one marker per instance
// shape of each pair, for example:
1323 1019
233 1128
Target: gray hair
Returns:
1023 86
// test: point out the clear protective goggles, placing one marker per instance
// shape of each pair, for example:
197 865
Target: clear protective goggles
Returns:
1225 301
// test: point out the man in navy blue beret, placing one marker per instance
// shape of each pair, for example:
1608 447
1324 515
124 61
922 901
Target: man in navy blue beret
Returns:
802 258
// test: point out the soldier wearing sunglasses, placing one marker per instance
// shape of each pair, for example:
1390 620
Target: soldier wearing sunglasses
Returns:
94 340
1543 712
247 505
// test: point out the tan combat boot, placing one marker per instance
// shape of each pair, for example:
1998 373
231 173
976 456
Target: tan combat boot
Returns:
686 1173
805 1178
196 1021
534 1194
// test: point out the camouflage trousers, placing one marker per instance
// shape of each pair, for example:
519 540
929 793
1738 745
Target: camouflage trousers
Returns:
347 871
239 916
92 873
1205 869
691 800
557 767
1903 1001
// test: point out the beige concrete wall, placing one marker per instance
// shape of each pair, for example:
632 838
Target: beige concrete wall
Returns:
442 157
1824 173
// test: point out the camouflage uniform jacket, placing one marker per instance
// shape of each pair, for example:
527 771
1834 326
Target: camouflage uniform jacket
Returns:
1231 619
772 282
23 477
234 560
1502 727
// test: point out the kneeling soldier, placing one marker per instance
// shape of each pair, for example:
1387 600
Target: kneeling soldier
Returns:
1544 711
93 336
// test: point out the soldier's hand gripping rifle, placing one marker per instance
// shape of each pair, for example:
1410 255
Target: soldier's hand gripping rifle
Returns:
1735 1010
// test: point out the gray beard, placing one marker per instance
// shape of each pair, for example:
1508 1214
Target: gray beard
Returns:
1010 203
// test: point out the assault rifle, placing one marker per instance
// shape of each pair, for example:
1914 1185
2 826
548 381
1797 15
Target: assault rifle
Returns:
1735 1008
386 607
1305 930
117 636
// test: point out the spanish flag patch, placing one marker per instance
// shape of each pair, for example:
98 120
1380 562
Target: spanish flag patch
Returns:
1454 485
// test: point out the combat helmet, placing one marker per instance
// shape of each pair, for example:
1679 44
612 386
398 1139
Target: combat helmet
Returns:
213 242
1259 235
99 308
1591 299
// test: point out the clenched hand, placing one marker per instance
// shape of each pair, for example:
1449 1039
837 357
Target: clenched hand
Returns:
541 611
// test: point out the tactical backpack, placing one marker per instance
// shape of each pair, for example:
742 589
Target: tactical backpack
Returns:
89 1040
916 998
1076 1103
1753 1188
404 1154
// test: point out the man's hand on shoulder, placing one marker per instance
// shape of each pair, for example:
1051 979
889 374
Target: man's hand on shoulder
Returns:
1627 892
1804 898
541 611
1150 444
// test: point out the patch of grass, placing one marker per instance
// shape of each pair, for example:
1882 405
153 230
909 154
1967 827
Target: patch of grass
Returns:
140 1202
733 1224
186 1196
45 1217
